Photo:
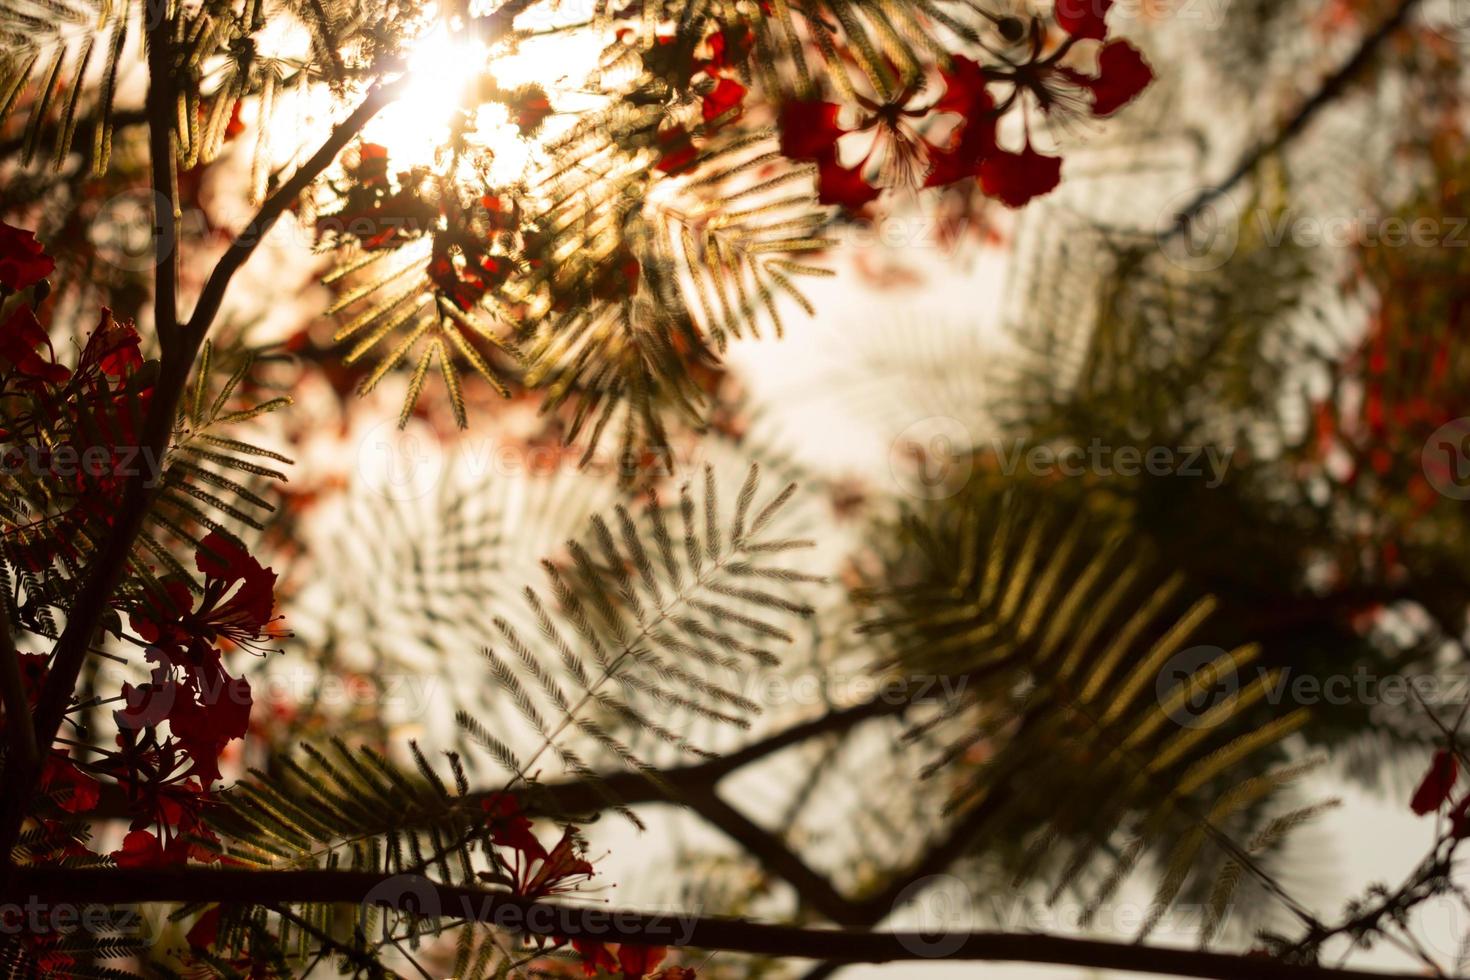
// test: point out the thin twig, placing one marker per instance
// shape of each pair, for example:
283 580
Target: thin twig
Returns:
160 108
122 886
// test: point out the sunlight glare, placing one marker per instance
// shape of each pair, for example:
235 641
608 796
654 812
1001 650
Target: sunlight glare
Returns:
442 66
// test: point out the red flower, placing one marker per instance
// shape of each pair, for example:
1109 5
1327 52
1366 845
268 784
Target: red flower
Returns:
730 46
631 960
238 598
639 961
1460 818
809 129
140 850
726 96
556 872
114 346
1434 790
595 956
23 262
70 788
20 338
205 720
964 90
1121 75
157 775
837 184
675 149
966 95
529 108
40 953
205 707
509 828
1084 19
1016 178
205 930
467 281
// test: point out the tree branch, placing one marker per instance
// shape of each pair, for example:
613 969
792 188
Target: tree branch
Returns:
106 570
773 854
122 886
245 243
17 707
160 108
1331 88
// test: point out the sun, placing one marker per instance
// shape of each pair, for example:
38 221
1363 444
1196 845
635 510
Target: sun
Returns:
442 68
446 63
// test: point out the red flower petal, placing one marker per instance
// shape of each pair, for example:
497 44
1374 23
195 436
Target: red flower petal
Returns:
205 930
23 262
964 90
557 869
676 149
509 828
529 109
724 97
639 961
595 956
20 337
976 141
837 184
1435 788
76 792
1016 178
140 850
113 346
203 727
1121 75
222 557
1084 19
809 129
730 46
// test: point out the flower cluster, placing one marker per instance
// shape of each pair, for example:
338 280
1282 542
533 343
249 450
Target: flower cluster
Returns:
169 777
707 78
534 872
67 433
1435 791
628 961
912 139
